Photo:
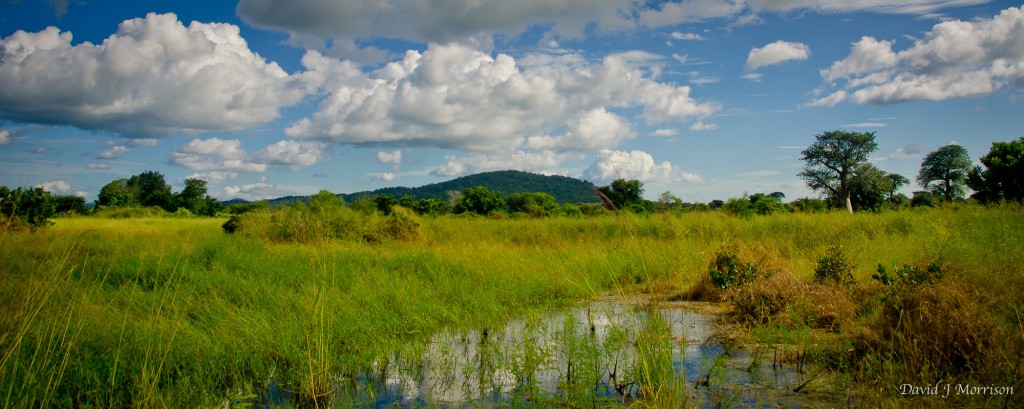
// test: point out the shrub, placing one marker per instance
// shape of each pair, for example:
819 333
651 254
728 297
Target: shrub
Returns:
727 269
739 207
834 266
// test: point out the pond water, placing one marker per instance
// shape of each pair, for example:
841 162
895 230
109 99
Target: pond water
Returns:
604 353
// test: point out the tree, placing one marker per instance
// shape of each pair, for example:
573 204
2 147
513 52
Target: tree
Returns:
324 200
944 171
115 194
1003 176
194 198
869 187
70 204
479 200
623 193
831 161
897 181
33 206
150 189
531 203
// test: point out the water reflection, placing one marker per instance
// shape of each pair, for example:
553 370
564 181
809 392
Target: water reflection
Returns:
604 353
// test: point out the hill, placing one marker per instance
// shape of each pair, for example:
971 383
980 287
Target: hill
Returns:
564 189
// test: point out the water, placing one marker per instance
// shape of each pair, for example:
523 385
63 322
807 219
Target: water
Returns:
604 353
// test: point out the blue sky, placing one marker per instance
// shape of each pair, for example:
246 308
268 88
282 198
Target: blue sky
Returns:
703 98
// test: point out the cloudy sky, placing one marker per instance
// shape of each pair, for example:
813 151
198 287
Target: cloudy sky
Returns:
704 98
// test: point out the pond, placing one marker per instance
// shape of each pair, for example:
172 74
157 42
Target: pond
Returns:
604 353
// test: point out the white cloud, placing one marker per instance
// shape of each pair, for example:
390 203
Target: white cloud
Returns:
394 157
114 151
227 155
97 166
292 154
455 97
264 191
866 55
57 187
955 59
752 76
639 165
687 36
155 76
702 126
385 176
594 130
214 177
5 137
776 53
830 100
918 7
664 132
865 125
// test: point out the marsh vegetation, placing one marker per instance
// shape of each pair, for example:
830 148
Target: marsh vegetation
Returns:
165 311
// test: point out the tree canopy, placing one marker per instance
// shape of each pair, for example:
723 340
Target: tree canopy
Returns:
623 193
1003 176
832 159
479 200
944 171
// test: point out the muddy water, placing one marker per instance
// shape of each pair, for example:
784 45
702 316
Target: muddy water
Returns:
604 353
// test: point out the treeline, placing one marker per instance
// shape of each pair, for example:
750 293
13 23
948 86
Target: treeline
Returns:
150 189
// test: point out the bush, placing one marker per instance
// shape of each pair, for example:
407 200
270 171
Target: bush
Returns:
26 206
727 269
834 266
739 207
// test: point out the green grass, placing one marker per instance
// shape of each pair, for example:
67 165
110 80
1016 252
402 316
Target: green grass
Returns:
155 312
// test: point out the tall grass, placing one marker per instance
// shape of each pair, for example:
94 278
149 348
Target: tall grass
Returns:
143 312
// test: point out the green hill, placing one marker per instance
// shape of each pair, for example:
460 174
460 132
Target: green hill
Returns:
564 189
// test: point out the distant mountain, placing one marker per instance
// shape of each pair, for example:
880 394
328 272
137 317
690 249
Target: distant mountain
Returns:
564 189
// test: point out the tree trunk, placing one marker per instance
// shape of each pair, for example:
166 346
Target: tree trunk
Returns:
849 203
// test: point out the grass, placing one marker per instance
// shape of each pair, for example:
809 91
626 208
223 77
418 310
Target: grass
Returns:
172 312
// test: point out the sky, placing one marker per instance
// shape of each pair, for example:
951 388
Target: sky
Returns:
706 99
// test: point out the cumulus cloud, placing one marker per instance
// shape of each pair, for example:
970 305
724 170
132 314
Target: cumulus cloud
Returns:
264 191
955 59
153 77
639 165
664 132
866 55
60 187
385 176
394 157
5 137
227 155
777 53
292 155
456 97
